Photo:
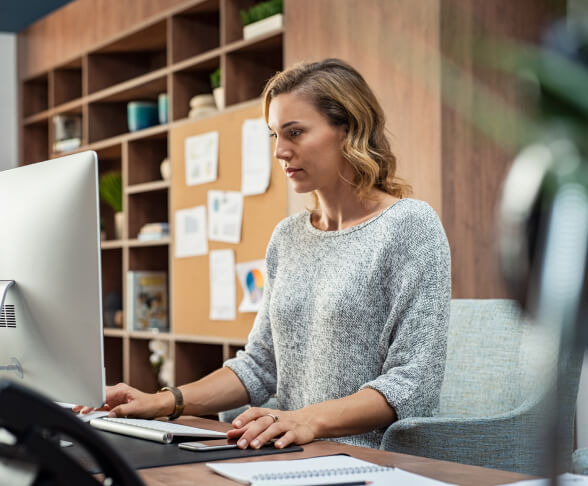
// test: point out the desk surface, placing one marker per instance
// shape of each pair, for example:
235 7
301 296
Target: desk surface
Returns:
199 474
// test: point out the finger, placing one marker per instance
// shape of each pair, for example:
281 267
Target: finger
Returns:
249 415
271 432
254 430
125 410
284 441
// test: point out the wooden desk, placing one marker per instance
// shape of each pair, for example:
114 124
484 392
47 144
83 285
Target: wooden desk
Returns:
199 474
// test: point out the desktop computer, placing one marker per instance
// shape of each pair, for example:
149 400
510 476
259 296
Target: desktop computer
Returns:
51 337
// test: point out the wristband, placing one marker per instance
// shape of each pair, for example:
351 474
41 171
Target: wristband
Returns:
179 401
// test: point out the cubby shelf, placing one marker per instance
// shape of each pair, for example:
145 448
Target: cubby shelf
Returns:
173 52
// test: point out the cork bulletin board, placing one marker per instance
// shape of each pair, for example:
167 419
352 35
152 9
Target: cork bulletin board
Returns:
190 284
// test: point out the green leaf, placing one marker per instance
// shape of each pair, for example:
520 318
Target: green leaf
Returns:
261 11
110 186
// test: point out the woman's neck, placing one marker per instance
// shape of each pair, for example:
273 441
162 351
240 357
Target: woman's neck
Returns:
347 210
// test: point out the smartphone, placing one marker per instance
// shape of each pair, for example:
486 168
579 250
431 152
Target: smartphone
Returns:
208 445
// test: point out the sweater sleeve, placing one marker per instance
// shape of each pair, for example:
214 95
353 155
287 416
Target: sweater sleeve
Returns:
415 339
256 365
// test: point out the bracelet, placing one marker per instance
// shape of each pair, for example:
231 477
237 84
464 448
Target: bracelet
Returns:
179 401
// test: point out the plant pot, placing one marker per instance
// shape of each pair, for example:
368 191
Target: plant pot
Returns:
219 97
263 26
119 219
165 169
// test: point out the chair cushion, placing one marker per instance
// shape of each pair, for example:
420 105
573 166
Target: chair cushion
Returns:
482 374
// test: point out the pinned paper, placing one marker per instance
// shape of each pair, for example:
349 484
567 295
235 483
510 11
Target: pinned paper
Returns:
255 157
190 227
225 214
252 279
201 155
223 294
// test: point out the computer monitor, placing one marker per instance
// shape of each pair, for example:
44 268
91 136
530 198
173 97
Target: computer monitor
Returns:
51 322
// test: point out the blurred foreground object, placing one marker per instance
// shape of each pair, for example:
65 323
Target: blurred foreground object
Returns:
543 221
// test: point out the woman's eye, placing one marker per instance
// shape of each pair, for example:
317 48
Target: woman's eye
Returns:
273 135
295 132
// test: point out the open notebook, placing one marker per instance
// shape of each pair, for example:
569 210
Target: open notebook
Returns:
155 430
319 470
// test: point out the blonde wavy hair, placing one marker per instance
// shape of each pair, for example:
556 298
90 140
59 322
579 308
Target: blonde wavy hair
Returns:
341 94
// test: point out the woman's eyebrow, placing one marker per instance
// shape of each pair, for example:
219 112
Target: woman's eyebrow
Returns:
285 125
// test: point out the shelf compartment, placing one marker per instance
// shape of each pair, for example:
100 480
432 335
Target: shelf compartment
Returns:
146 207
145 157
190 81
35 143
109 160
233 24
35 95
112 287
113 359
149 258
134 55
141 373
195 30
249 65
108 115
67 83
196 360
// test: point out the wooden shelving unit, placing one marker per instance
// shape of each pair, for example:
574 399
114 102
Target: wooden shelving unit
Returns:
174 53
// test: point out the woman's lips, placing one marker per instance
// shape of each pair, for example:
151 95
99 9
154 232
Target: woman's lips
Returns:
291 172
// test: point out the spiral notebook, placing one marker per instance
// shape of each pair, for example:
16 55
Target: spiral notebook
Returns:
319 471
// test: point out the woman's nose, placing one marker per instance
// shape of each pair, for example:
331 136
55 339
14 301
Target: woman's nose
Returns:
281 150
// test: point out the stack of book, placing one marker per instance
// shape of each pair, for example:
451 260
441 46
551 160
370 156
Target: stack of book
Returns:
153 231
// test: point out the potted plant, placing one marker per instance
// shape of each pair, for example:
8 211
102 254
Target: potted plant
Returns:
262 18
217 90
110 186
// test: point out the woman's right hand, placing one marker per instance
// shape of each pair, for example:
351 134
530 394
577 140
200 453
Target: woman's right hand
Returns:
123 400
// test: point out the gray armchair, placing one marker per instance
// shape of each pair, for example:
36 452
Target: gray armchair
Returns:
492 410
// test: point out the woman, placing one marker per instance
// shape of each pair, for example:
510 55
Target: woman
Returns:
352 331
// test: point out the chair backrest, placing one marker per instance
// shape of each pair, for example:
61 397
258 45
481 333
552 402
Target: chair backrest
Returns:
496 360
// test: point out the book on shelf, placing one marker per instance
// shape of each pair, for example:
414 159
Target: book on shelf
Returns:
147 308
66 145
67 132
153 231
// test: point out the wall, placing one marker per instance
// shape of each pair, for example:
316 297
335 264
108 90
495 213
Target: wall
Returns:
8 102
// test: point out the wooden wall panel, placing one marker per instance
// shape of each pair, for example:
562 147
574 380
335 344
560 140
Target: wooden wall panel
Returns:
190 276
399 46
474 166
394 44
79 26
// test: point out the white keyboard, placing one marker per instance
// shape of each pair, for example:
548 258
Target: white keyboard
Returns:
156 430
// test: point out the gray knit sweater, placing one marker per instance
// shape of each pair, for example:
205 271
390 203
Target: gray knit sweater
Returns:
366 306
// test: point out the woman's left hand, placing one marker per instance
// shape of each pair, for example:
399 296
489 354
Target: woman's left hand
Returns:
257 426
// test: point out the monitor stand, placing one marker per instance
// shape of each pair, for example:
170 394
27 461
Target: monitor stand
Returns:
15 364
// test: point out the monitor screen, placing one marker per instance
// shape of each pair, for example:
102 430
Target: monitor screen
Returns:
51 322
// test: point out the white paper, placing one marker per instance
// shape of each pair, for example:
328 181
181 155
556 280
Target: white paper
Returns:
223 294
201 155
319 470
256 159
566 479
190 227
252 279
225 214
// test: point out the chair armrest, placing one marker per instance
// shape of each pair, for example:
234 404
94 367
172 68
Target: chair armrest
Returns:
512 441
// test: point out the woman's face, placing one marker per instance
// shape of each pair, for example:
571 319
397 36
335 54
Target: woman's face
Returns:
307 146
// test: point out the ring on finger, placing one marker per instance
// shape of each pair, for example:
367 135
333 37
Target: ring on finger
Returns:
275 418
